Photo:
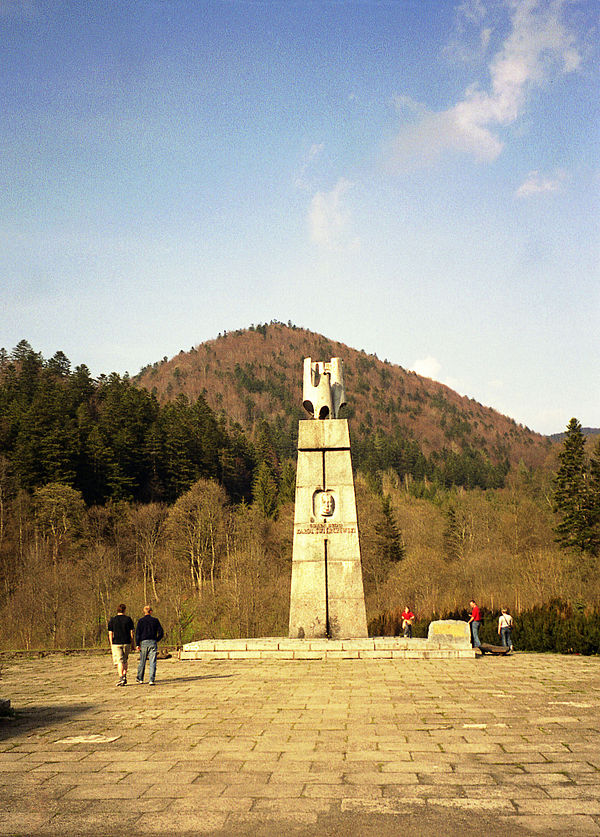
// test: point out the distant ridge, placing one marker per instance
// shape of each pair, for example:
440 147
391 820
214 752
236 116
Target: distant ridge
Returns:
256 373
587 431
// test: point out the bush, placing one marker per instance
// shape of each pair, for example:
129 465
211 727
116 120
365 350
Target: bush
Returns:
558 626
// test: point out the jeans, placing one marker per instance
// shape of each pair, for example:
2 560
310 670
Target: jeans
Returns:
505 637
475 634
147 652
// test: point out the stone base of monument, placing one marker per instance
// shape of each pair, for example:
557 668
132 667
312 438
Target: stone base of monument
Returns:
447 639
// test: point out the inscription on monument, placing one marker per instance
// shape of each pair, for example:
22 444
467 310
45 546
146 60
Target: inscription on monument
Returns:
325 529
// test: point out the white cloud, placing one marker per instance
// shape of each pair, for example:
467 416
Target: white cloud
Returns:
537 48
473 11
408 106
329 218
484 37
536 183
428 367
302 180
471 38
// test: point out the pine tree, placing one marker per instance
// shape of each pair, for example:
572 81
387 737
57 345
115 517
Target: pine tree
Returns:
575 495
287 491
390 542
264 490
453 540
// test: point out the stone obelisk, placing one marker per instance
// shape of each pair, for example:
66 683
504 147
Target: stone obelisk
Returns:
327 597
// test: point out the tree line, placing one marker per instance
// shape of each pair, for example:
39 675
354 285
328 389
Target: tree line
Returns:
108 439
212 567
209 566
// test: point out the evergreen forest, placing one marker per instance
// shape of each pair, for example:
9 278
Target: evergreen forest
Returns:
112 491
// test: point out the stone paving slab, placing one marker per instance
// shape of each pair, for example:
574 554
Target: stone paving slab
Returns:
358 747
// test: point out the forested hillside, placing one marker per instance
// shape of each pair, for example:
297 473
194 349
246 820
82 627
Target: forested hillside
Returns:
110 492
399 420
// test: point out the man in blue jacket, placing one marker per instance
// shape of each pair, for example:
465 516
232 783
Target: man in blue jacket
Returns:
148 634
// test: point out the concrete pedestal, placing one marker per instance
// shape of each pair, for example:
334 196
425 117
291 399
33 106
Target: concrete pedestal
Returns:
370 648
327 597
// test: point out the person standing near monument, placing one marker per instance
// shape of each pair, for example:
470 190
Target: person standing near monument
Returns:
120 636
505 624
475 622
148 633
408 617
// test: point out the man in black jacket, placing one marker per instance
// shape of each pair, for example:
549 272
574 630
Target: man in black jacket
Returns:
148 634
120 636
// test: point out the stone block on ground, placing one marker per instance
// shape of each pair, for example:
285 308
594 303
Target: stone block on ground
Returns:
450 632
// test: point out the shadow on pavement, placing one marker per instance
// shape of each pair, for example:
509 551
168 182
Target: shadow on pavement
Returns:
429 822
31 718
168 680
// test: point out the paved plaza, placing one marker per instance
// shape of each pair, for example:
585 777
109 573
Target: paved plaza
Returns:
492 746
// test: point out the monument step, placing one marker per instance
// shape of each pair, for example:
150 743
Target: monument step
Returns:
283 648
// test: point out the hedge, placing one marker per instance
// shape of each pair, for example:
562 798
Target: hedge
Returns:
557 626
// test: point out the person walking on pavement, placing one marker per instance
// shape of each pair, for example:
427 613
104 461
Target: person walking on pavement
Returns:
148 633
505 625
475 622
120 636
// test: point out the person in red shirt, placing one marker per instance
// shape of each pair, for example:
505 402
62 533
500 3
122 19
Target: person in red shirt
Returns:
475 622
408 617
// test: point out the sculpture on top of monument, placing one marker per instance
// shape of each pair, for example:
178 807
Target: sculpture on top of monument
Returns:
323 388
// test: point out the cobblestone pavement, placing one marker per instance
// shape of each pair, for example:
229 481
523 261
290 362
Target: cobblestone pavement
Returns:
348 747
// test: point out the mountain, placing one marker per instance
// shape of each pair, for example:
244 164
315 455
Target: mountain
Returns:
254 374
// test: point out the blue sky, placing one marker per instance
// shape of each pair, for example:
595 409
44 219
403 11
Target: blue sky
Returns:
416 178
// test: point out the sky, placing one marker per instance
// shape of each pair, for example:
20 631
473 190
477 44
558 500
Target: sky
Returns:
416 178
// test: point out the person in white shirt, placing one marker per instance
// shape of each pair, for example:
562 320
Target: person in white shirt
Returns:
505 624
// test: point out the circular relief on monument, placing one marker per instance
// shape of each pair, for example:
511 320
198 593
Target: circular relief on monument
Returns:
323 503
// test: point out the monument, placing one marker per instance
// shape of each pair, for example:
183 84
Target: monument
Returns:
327 602
327 597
